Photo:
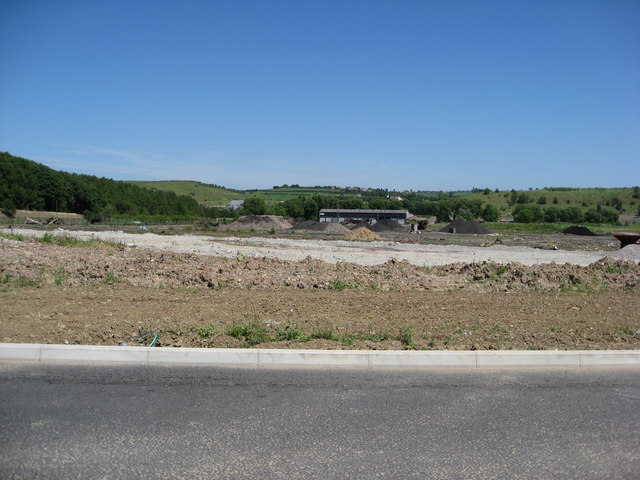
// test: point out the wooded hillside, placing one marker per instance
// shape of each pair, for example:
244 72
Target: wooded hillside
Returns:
29 185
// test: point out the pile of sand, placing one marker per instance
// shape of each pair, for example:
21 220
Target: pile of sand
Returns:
259 222
388 226
576 230
362 234
464 226
360 224
326 227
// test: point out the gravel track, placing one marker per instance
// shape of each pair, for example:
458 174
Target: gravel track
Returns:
335 251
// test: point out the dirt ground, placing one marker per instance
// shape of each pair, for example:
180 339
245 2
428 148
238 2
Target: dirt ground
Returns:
110 294
189 317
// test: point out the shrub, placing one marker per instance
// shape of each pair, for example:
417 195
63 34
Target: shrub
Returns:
572 215
490 213
552 215
528 214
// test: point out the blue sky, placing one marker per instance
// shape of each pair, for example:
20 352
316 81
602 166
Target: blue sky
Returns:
422 95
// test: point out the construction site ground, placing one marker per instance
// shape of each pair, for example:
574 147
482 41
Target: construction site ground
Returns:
109 292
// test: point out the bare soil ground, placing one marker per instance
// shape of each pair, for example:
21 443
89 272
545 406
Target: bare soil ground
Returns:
109 294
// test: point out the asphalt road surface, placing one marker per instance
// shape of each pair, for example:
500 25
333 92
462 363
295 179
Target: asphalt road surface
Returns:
79 421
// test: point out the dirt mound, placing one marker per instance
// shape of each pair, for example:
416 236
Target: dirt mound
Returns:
630 252
327 227
362 234
259 222
388 226
354 225
576 230
464 226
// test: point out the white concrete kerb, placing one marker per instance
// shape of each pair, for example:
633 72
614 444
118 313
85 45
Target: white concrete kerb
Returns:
315 358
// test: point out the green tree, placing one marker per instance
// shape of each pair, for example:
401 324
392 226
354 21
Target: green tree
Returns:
552 215
529 213
294 207
254 206
513 198
490 213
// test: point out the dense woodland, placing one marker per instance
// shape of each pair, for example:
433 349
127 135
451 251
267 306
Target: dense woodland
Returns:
28 185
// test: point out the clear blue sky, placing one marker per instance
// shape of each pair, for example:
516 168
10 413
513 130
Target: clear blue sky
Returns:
423 95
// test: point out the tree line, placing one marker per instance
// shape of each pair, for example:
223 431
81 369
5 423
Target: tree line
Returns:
29 185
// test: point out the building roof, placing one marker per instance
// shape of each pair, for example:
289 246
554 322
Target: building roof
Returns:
350 210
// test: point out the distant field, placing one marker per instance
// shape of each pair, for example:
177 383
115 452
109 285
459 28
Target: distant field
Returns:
281 194
203 193
214 195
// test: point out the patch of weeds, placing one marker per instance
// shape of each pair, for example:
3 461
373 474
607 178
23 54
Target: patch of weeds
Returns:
340 285
28 282
217 286
251 333
325 335
4 279
613 269
59 276
556 329
575 284
204 332
110 279
13 236
626 330
373 287
501 270
46 238
405 336
374 336
291 333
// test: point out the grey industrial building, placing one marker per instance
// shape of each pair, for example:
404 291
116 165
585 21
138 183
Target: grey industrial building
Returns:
371 216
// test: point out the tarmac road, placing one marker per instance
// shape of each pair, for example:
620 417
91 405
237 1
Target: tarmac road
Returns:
79 421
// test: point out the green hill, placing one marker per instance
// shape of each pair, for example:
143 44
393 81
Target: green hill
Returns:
621 199
203 193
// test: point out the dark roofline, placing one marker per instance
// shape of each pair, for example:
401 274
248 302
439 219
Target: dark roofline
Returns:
345 210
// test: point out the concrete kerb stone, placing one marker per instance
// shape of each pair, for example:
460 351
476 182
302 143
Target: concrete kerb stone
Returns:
316 358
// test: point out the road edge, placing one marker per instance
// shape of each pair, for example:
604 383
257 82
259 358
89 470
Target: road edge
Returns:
316 358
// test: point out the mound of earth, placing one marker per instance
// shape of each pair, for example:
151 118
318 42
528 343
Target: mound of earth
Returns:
361 224
464 226
576 230
362 234
327 227
630 252
259 222
388 226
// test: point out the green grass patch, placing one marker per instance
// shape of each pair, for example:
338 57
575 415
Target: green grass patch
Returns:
110 278
204 332
251 333
340 285
291 333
